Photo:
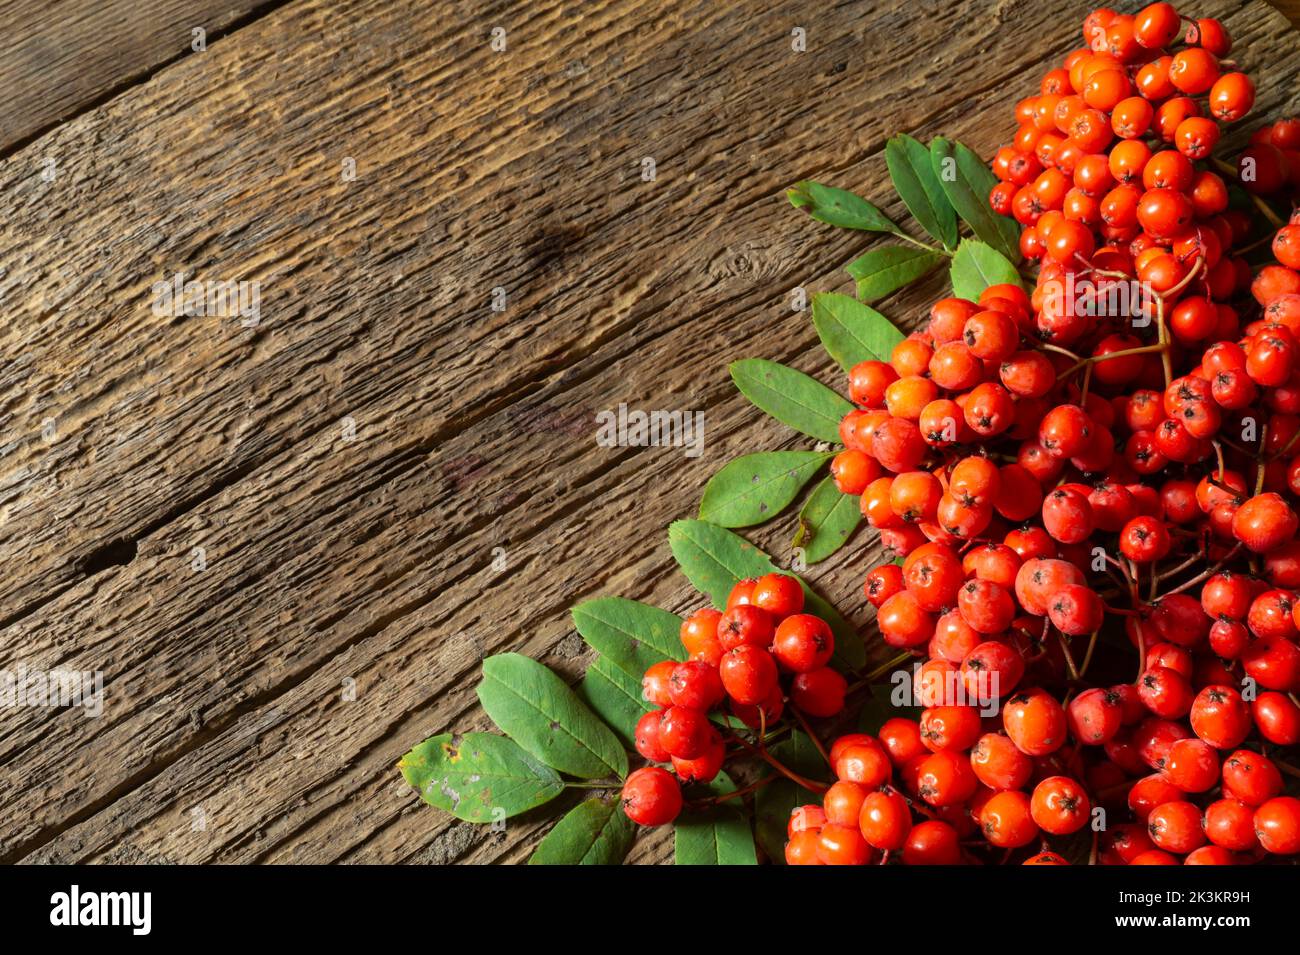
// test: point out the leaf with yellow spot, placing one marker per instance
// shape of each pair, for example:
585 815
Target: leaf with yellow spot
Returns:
479 777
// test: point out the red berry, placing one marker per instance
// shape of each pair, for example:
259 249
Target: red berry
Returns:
779 594
803 643
651 797
748 674
684 732
818 692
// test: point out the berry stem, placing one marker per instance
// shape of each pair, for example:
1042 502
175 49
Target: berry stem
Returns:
743 791
1069 657
1286 767
1163 337
803 721
884 668
1259 459
1087 656
1120 611
781 768
1061 351
1205 575
922 245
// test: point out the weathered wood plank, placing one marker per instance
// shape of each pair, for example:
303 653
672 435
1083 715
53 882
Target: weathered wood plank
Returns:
370 559
58 59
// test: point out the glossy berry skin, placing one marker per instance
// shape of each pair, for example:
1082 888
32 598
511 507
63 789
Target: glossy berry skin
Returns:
1165 692
1176 827
999 764
843 801
803 818
802 848
932 842
842 845
818 692
1035 722
646 737
1277 717
1277 825
803 643
705 767
1192 765
882 583
1060 805
1076 610
651 797
950 727
779 594
1148 793
745 625
1006 820
864 764
748 674
684 732
986 606
696 685
699 635
1265 522
1250 777
1095 716
1230 823
945 778
655 686
1144 539
1220 717
885 820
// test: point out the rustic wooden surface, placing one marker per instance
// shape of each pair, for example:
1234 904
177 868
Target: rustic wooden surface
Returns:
129 440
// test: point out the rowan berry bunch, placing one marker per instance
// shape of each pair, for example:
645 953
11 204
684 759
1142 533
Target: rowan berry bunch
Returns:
1051 468
753 656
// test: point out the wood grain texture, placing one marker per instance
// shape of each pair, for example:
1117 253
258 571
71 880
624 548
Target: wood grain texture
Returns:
1289 9
59 58
131 440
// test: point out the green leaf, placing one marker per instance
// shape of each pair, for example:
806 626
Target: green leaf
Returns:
967 181
827 520
791 397
594 832
615 697
631 635
715 559
756 487
976 266
775 801
880 707
913 173
890 267
852 332
838 207
478 776
717 836
536 709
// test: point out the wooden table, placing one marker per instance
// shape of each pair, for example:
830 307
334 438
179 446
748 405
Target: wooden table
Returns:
287 543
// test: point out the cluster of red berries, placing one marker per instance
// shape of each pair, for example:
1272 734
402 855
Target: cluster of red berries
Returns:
1108 149
900 793
1048 466
736 656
